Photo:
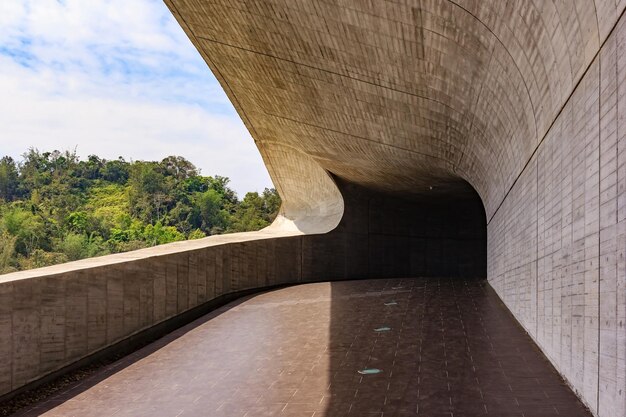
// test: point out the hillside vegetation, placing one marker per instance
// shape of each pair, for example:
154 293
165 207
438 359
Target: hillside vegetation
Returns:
56 208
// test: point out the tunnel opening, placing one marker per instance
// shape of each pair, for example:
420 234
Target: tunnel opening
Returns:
383 235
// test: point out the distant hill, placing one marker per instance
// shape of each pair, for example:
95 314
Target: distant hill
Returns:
55 207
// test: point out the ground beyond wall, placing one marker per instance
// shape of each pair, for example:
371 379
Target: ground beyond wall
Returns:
556 245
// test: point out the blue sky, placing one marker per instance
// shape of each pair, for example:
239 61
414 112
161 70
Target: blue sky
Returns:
116 78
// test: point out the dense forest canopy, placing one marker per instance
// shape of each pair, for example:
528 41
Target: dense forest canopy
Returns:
56 208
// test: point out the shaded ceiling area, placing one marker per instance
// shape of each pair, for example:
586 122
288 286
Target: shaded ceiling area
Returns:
398 96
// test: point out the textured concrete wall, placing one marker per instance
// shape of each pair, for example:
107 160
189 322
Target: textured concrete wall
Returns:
520 99
557 243
52 317
399 95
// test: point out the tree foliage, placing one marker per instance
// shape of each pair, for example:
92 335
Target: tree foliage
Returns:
55 207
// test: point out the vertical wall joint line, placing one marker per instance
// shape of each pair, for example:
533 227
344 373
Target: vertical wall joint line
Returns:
537 249
599 219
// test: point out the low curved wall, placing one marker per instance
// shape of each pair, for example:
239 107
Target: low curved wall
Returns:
52 317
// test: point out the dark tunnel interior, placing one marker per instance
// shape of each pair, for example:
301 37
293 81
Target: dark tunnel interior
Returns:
385 236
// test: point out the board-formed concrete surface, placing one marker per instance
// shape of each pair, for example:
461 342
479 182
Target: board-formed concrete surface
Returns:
522 99
445 347
406 137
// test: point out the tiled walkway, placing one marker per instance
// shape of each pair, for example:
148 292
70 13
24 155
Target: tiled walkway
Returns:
443 348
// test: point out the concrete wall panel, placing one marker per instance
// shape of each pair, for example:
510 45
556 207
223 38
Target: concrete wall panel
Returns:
575 185
6 342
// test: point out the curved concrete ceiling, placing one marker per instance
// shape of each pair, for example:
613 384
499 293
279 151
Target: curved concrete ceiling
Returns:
408 96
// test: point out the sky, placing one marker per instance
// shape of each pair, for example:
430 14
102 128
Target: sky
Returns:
116 78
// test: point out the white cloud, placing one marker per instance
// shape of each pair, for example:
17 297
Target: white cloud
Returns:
116 78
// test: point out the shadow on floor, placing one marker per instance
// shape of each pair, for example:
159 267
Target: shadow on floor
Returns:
453 349
441 347
51 395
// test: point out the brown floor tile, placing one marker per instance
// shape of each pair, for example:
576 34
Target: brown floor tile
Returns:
452 350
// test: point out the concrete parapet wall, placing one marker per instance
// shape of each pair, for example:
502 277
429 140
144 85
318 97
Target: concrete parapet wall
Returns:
51 320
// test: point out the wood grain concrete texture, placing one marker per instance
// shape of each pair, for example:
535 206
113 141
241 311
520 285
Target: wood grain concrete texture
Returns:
52 320
571 197
515 97
400 95
411 98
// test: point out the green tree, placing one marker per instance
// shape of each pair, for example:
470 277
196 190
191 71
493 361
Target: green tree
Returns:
196 234
117 171
78 221
108 207
8 179
159 234
91 169
40 258
51 180
255 211
178 167
55 207
149 191
250 214
78 246
271 204
7 252
73 246
27 228
213 217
